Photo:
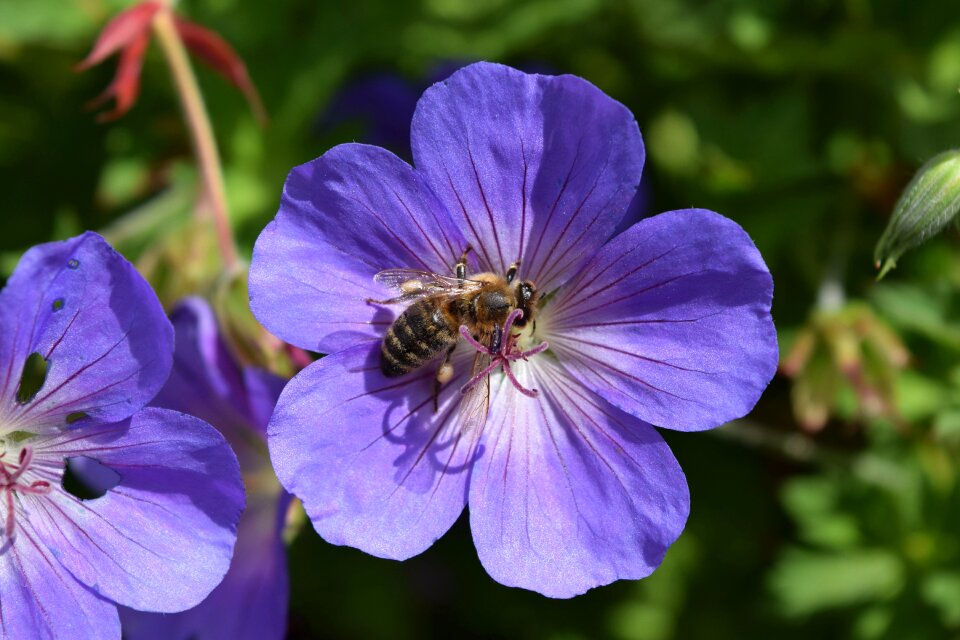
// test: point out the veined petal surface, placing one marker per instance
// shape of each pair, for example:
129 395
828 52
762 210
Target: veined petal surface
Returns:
97 323
375 467
537 169
571 492
670 321
42 600
161 539
350 213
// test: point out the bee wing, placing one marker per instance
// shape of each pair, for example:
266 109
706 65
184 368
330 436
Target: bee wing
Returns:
413 283
475 404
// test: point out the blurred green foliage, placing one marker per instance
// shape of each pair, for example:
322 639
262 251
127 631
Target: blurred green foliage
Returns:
801 119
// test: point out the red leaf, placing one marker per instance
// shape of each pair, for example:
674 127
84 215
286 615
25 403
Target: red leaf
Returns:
121 32
220 56
125 86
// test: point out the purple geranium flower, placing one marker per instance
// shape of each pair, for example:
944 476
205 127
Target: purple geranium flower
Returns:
161 537
207 382
667 323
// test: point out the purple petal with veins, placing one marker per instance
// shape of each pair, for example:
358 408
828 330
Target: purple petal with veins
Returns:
162 531
208 382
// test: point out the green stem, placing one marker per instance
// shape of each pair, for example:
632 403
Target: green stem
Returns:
201 131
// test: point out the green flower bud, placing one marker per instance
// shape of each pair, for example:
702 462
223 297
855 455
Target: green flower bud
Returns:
927 205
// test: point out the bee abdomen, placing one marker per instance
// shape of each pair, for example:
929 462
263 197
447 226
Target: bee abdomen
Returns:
415 337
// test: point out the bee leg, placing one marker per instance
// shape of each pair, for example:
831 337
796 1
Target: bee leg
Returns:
496 339
461 267
444 375
512 271
396 300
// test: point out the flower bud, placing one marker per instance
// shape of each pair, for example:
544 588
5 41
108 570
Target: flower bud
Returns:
927 205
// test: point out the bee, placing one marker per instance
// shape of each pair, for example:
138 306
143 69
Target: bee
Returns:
439 305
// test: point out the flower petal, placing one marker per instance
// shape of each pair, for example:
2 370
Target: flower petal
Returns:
571 493
160 540
42 600
350 213
374 466
207 382
534 168
671 321
86 310
250 603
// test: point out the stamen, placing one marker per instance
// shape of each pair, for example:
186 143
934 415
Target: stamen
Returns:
508 353
10 475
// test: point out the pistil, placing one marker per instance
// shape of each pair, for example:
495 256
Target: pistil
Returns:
509 352
10 482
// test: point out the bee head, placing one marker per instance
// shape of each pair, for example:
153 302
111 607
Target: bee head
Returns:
526 293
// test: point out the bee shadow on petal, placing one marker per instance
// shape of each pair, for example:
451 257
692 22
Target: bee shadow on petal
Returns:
426 445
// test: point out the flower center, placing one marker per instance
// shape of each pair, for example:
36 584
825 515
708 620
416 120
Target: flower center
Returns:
12 481
509 351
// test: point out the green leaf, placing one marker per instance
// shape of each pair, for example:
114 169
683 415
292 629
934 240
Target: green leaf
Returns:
927 205
806 582
942 591
813 502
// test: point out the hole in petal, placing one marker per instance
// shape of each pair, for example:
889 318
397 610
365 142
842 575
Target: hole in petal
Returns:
87 478
75 416
16 437
73 263
33 376
58 304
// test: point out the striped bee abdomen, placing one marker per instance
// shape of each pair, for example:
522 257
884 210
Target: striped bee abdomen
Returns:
418 335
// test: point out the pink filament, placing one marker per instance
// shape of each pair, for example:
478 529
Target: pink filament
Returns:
10 475
508 353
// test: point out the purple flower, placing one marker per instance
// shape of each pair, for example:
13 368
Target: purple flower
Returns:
207 382
667 323
161 537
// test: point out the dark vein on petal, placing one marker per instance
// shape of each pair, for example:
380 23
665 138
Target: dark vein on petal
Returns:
371 392
61 406
578 391
23 574
486 205
389 230
575 296
553 209
79 371
523 201
581 355
13 354
120 533
558 255
66 538
633 294
640 357
129 496
432 209
559 269
561 388
466 216
63 334
589 325
419 227
426 447
563 464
